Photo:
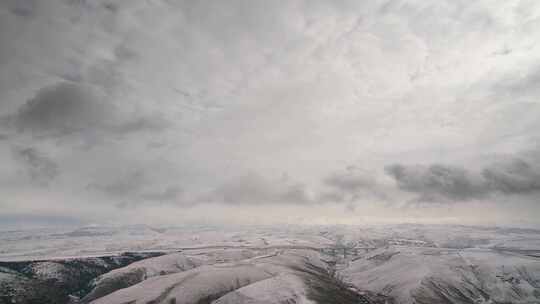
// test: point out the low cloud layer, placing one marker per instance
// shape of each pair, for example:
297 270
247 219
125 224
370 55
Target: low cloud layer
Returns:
514 176
437 181
352 185
351 180
253 189
136 187
443 183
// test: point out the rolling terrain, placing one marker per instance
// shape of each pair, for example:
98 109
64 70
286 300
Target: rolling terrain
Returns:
304 264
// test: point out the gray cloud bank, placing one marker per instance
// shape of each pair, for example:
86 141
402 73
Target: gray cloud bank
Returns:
508 176
255 189
136 187
513 176
341 186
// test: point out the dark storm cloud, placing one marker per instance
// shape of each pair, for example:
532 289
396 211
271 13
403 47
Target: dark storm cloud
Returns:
254 189
69 108
38 167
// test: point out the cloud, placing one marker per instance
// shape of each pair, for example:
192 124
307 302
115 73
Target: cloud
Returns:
213 89
438 182
37 167
514 176
350 181
153 123
511 175
526 84
62 109
350 185
255 189
136 187
73 109
127 185
169 193
22 8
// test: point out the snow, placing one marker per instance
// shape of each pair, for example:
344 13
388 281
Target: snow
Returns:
412 263
45 244
284 288
189 286
267 278
406 273
162 265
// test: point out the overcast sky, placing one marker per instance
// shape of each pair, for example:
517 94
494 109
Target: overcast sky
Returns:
169 112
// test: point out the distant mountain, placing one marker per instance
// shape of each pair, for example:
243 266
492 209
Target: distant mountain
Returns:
111 230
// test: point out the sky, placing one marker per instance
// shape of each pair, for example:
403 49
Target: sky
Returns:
270 112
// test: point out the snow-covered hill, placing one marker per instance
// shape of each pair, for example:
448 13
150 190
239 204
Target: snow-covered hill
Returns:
162 265
291 276
440 275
